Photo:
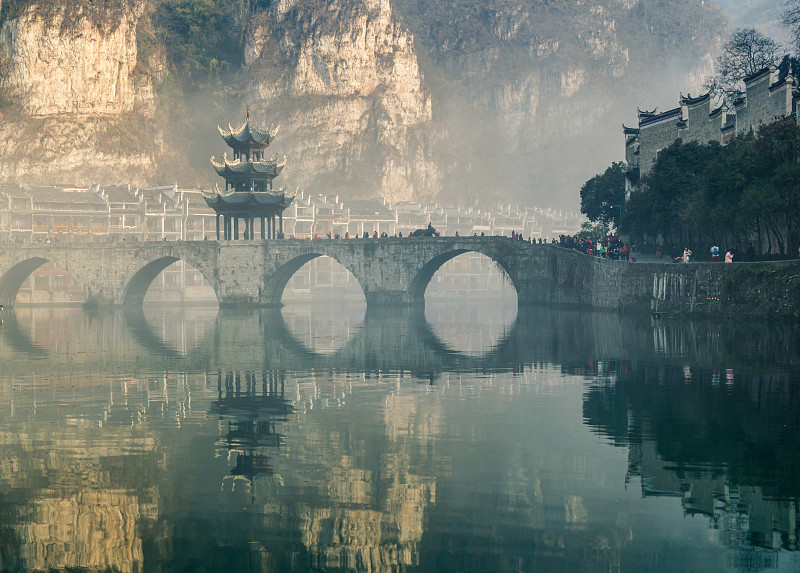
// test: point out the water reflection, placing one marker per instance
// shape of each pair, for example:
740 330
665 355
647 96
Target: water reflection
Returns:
317 329
19 340
720 432
250 405
235 440
475 332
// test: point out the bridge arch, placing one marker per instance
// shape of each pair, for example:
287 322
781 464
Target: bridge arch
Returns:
422 278
11 280
276 283
137 285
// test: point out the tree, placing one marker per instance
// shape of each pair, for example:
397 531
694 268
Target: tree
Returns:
677 186
589 230
603 194
746 52
791 20
745 192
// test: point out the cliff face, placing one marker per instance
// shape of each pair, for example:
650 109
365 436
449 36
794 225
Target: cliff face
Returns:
73 106
62 64
345 84
532 94
408 99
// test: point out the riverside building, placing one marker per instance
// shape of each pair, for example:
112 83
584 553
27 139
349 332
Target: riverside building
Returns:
769 96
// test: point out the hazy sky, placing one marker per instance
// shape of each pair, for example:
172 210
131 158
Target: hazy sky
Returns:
763 15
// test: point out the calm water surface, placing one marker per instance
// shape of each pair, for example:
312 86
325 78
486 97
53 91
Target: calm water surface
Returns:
325 438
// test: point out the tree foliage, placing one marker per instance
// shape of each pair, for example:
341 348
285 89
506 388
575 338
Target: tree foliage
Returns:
603 194
746 52
733 196
202 39
199 38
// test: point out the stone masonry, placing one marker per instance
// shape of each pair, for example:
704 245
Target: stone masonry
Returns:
396 271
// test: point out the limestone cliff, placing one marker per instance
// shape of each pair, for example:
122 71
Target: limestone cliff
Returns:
532 94
65 63
406 99
74 107
345 83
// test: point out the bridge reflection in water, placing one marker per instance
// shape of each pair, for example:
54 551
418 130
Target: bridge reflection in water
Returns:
244 445
388 339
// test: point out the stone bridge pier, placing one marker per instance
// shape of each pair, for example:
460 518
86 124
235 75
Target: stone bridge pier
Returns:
391 271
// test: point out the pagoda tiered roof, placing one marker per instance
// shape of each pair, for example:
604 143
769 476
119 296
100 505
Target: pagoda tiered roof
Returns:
249 133
237 167
242 198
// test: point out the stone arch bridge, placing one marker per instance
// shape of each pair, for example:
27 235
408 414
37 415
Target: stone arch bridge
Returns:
389 270
397 271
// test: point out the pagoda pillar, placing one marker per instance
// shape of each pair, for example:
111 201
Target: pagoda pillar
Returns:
280 215
236 228
248 228
218 226
263 232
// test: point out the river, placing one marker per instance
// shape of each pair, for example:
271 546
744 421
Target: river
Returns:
469 437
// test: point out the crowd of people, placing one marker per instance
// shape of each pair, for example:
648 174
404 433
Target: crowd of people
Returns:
609 247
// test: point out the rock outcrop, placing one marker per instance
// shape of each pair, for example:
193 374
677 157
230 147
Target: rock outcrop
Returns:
405 99
61 62
531 94
74 107
346 86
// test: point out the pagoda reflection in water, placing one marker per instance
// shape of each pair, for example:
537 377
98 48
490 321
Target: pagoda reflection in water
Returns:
251 403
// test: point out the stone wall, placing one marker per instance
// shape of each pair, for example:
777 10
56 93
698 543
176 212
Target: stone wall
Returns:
766 101
701 125
757 289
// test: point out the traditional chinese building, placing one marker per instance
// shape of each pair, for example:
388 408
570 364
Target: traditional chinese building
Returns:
249 194
770 95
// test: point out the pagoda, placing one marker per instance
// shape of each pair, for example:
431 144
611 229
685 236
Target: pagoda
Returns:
249 194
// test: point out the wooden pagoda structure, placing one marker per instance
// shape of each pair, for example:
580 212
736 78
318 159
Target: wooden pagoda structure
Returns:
249 195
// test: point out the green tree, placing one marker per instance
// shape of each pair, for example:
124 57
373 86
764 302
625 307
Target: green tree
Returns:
638 216
701 194
676 184
201 39
603 194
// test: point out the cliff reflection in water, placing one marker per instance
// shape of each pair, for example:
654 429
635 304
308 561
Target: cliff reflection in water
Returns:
382 441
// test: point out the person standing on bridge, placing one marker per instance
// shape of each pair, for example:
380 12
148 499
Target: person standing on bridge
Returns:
715 254
729 256
686 254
